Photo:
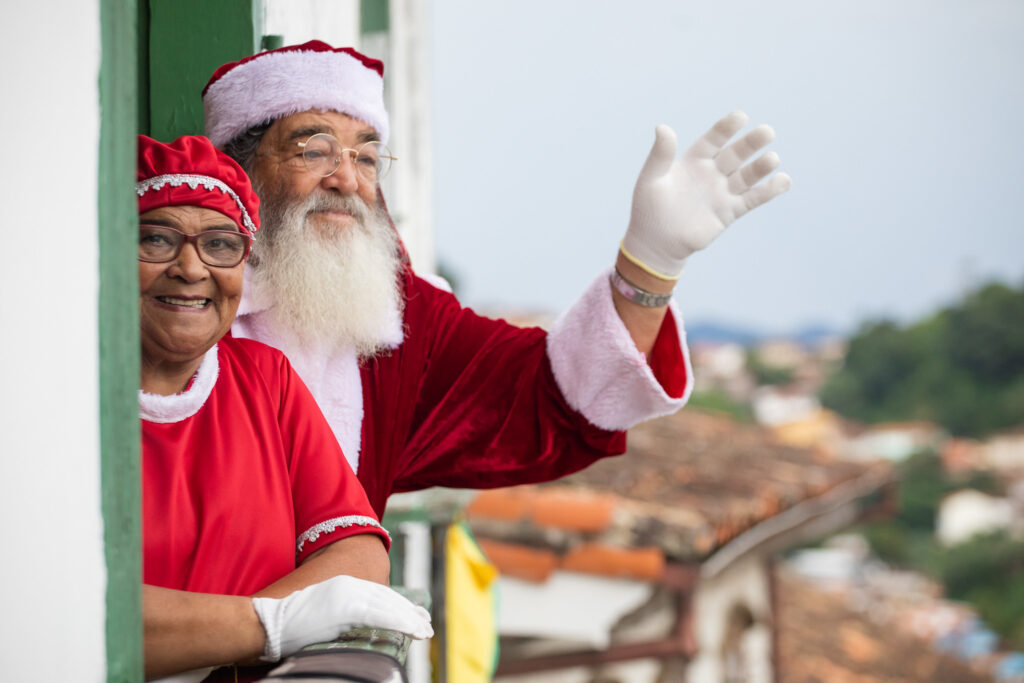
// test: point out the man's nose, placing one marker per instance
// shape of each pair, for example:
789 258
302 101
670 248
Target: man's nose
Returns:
344 180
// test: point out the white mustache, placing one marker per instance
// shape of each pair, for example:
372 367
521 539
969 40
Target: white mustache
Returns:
351 205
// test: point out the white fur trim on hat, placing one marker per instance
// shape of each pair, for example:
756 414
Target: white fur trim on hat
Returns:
279 83
600 371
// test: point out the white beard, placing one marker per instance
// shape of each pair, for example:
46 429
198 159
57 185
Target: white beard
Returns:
331 290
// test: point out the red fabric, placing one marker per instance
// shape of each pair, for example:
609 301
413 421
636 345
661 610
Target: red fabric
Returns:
310 46
466 401
195 155
224 499
666 358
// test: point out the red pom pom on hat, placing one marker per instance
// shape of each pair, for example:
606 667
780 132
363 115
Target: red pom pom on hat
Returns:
192 172
293 79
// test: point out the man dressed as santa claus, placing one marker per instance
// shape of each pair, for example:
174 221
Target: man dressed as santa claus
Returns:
418 390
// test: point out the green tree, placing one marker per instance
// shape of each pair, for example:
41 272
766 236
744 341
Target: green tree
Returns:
962 367
922 486
717 401
988 572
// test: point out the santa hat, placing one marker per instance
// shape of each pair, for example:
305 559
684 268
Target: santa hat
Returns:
192 172
293 79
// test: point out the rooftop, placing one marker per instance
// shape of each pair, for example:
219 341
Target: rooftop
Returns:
821 639
688 484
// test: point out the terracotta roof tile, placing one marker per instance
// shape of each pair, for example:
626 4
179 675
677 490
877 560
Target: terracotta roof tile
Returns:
573 509
646 564
509 503
521 562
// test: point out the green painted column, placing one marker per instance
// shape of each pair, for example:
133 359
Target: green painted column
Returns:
117 212
374 16
188 40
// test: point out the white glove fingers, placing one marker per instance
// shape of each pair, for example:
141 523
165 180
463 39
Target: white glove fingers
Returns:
388 608
751 174
663 153
733 156
411 619
759 194
712 142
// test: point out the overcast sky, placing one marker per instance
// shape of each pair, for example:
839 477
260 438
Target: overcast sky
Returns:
900 122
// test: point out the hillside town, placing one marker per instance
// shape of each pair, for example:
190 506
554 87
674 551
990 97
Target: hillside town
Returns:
730 543
896 600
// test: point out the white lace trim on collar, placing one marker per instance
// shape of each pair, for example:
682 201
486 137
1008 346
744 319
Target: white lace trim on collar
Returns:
178 407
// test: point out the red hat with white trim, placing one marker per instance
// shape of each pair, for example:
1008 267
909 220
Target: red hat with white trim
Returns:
192 172
293 79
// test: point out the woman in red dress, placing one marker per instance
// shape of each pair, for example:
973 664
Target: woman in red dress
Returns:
257 537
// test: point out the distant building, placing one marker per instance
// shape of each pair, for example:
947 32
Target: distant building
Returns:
896 440
961 456
967 513
781 405
1004 452
722 367
782 353
821 637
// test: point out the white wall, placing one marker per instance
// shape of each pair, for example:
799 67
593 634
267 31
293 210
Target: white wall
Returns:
333 21
564 606
53 571
968 513
745 583
409 188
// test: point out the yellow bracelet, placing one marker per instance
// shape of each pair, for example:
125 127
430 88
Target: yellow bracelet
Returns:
646 268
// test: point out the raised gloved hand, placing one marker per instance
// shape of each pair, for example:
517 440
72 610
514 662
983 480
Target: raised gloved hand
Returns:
321 612
681 205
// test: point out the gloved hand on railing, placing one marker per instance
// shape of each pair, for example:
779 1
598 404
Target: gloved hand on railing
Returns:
321 612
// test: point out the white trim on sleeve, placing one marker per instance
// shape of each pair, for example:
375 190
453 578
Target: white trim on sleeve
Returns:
600 371
313 533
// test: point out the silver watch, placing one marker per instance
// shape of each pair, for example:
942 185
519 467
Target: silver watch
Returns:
638 296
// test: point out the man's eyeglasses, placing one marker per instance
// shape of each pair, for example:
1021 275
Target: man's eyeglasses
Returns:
218 248
323 154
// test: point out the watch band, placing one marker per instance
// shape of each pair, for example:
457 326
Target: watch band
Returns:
638 296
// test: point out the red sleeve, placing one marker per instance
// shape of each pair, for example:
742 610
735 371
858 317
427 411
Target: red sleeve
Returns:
488 411
330 503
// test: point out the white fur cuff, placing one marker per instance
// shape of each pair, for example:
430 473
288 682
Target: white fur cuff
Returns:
598 368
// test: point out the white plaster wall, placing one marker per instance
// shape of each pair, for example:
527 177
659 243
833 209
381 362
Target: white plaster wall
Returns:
565 607
333 21
636 671
576 674
53 571
967 513
409 188
745 582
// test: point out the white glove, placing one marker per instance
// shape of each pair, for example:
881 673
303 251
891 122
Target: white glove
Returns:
323 611
681 205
